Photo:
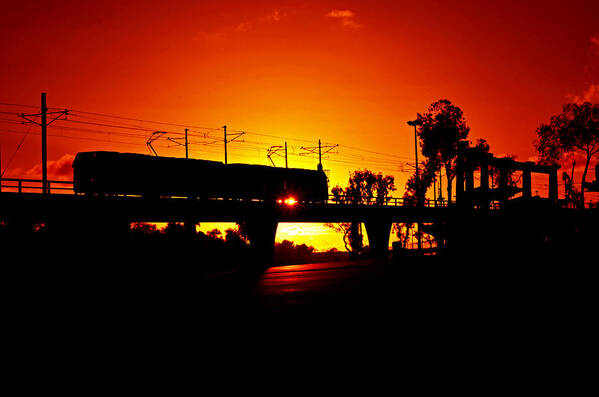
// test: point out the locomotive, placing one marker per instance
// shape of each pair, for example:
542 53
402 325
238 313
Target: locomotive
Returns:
113 173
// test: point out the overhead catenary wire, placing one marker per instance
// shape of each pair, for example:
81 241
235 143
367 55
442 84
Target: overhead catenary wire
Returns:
107 124
2 172
132 128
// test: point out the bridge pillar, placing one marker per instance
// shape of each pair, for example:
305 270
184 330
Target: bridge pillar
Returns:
527 182
261 232
553 184
378 231
484 184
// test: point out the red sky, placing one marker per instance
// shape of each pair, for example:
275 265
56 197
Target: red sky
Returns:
346 72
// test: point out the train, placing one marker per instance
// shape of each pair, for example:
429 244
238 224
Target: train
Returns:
113 173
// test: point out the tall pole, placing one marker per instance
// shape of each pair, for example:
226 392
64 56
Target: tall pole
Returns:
319 156
286 155
418 179
416 123
44 147
435 189
416 149
441 184
186 145
225 129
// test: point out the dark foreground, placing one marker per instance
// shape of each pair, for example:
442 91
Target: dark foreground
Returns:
467 321
436 291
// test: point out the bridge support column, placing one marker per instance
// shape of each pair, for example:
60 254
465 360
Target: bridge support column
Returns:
190 226
484 184
526 184
261 233
553 184
378 231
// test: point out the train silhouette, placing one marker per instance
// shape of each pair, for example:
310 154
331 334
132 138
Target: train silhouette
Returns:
103 173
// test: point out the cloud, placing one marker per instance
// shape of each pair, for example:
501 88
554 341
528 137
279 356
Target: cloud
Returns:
340 14
209 38
591 70
217 38
595 44
274 16
347 18
591 94
61 169
242 27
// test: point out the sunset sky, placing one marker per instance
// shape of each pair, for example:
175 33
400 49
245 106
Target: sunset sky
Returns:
350 73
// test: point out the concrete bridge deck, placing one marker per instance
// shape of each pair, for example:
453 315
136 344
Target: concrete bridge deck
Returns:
39 207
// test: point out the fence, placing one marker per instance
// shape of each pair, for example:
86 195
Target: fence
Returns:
20 185
383 201
34 185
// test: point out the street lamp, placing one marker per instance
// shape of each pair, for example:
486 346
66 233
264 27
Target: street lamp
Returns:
415 123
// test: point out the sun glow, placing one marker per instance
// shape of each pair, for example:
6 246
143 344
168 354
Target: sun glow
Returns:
290 201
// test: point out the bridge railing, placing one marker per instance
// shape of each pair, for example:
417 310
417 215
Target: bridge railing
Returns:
21 185
383 201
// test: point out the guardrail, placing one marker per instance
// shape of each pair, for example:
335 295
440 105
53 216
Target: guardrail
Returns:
20 185
384 201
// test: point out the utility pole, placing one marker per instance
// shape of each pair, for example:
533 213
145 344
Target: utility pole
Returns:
225 140
319 156
441 185
435 188
44 124
158 134
44 146
186 145
274 151
235 136
312 150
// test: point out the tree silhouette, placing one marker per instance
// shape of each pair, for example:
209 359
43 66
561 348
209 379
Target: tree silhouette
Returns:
572 194
418 184
364 187
288 252
440 130
143 228
574 131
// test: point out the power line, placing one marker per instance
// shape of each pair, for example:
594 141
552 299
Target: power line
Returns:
217 129
15 152
15 104
109 122
146 121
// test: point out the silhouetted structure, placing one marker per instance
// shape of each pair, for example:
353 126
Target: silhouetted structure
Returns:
593 186
112 173
101 222
471 158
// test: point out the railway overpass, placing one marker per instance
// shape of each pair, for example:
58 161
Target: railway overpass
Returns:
462 227
64 212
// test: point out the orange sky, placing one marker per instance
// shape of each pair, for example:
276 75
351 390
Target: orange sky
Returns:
347 72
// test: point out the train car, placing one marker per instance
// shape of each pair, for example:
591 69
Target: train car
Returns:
250 181
112 173
307 185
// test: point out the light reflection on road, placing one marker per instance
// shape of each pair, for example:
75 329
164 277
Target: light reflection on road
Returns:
299 284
